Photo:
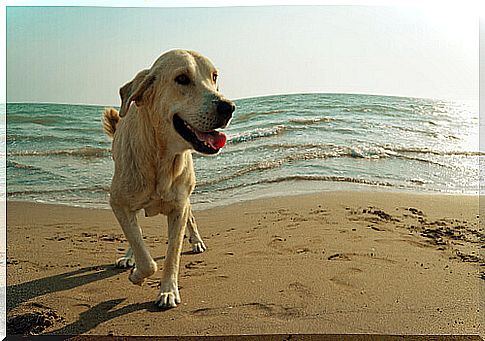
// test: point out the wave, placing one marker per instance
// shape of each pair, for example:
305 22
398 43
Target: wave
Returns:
289 145
94 189
309 178
67 137
306 150
45 120
246 116
332 150
324 152
18 165
309 120
256 134
24 173
329 151
280 128
430 133
81 152
389 110
419 150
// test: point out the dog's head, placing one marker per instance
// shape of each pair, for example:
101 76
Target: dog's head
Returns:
179 93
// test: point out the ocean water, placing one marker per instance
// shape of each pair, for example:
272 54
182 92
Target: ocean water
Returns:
277 145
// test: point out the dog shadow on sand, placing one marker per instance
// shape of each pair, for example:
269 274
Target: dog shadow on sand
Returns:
23 292
101 313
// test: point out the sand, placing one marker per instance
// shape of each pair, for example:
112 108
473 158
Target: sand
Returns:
332 263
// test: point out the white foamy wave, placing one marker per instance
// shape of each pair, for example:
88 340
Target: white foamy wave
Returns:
412 150
311 178
311 120
256 134
81 152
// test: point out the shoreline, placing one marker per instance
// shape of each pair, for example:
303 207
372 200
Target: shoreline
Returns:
331 262
289 188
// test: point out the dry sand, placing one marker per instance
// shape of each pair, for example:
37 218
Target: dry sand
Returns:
343 262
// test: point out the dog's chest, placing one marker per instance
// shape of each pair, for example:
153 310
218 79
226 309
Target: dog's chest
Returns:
157 206
162 200
173 188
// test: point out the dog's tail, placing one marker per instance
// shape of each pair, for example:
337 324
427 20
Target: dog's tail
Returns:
111 117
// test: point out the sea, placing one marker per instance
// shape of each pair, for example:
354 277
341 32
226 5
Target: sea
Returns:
277 145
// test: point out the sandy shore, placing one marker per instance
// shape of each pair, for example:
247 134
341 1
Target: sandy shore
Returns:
343 262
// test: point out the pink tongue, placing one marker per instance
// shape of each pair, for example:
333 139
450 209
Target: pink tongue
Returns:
215 139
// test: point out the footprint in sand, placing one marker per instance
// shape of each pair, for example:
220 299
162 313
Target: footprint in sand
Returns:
196 264
250 309
58 238
346 278
197 268
319 214
347 256
339 256
373 215
300 289
279 244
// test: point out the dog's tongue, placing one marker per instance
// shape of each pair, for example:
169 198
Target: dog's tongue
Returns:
215 139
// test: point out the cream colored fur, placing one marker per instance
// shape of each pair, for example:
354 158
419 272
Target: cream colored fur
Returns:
153 163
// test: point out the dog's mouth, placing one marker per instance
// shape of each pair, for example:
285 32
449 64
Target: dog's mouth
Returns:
206 142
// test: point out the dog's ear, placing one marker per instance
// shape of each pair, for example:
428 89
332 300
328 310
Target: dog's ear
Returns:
134 90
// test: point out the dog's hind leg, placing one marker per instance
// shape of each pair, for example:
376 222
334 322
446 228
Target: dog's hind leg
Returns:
145 266
127 261
195 240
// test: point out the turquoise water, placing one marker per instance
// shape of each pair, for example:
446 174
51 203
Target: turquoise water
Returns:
283 144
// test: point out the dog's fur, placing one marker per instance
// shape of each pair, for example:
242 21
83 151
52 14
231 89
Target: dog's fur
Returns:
153 162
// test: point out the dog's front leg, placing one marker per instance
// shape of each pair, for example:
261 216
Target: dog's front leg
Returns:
169 295
145 266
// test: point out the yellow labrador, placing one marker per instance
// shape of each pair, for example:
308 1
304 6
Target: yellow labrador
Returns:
166 112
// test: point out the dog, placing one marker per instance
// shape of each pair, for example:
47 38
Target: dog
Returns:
166 112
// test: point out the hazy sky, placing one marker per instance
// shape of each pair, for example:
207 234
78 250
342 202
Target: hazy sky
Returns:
84 54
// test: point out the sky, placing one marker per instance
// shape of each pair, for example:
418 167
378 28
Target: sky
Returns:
85 54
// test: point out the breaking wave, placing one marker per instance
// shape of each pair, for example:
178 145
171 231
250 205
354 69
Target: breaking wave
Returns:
80 152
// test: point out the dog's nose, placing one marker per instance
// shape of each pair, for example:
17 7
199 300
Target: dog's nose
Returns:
225 109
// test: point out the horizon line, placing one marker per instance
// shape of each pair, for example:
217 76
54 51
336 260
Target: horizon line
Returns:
266 95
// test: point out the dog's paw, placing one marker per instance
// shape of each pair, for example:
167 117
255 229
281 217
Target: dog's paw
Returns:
125 262
137 276
198 247
167 300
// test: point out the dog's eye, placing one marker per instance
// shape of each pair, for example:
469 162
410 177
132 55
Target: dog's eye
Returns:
214 77
182 79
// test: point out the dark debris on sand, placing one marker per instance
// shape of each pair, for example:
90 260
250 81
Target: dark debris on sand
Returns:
33 322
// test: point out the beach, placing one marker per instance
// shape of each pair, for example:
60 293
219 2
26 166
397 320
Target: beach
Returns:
337 158
355 262
324 214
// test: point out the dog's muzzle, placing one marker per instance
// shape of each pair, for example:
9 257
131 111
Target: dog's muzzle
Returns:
224 110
